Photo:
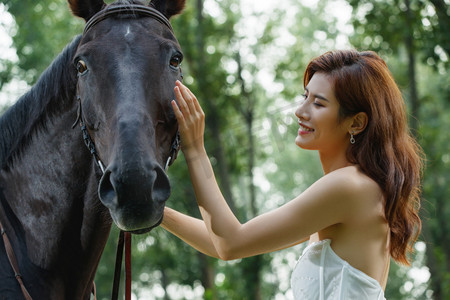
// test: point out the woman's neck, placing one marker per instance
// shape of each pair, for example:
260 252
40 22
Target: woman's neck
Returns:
333 161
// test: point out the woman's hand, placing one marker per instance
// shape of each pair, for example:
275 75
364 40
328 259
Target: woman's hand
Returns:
191 119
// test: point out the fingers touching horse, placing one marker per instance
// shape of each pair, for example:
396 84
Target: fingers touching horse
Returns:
117 80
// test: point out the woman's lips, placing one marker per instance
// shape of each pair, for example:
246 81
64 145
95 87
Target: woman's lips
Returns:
304 129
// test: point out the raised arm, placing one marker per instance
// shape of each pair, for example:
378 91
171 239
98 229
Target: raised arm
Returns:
325 203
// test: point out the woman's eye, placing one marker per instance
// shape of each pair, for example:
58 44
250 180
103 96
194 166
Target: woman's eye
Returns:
303 98
81 67
175 61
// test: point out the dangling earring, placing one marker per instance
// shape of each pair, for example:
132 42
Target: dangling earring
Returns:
352 139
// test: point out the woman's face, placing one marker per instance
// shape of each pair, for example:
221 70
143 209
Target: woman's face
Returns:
318 114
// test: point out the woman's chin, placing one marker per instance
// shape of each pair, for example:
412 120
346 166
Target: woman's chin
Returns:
299 141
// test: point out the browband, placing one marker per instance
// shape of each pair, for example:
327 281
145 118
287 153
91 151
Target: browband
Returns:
129 8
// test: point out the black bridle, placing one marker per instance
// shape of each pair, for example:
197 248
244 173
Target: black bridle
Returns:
124 237
134 9
173 151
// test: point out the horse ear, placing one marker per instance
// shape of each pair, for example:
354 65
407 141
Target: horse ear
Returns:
168 8
86 8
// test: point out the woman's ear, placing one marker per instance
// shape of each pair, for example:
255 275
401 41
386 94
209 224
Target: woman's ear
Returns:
359 123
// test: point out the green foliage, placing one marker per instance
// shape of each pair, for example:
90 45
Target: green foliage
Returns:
384 25
434 118
223 68
5 71
43 29
406 31
3 108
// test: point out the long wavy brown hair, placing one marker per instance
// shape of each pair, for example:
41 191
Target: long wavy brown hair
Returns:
386 151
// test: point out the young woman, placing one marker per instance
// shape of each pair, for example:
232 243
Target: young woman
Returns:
362 212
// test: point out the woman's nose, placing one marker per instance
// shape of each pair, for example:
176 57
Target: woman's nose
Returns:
302 112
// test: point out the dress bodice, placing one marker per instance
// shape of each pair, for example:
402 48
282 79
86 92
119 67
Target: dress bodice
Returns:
320 274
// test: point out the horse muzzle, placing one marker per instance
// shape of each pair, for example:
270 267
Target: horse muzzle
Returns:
136 196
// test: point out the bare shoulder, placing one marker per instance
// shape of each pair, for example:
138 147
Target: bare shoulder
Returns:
353 180
355 188
345 196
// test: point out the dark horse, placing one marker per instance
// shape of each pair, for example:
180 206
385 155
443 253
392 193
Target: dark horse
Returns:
56 205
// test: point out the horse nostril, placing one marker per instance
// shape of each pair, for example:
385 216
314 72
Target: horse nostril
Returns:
161 186
134 198
106 190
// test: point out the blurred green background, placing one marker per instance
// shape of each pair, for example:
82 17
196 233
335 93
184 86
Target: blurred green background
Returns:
245 60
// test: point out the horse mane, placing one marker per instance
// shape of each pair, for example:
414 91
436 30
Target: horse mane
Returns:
52 93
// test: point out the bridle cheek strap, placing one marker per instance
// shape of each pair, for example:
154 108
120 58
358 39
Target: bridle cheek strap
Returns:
173 152
174 148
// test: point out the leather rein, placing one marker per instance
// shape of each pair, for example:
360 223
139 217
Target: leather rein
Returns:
124 237
13 262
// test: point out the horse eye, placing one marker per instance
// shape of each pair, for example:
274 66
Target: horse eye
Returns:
81 67
175 61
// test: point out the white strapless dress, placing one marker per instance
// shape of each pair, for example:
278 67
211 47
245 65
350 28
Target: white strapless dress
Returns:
320 274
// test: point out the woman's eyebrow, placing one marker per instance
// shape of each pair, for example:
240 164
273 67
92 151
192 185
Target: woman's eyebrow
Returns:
317 96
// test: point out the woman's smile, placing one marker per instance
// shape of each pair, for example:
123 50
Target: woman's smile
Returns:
304 129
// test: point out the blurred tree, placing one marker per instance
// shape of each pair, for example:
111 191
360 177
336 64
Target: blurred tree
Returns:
434 117
43 29
248 87
6 73
418 29
3 108
205 75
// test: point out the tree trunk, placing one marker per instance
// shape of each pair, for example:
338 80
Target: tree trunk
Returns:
252 266
164 283
212 126
432 260
208 275
211 110
441 9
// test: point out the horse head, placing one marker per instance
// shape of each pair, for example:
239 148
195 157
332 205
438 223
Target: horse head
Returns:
128 61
